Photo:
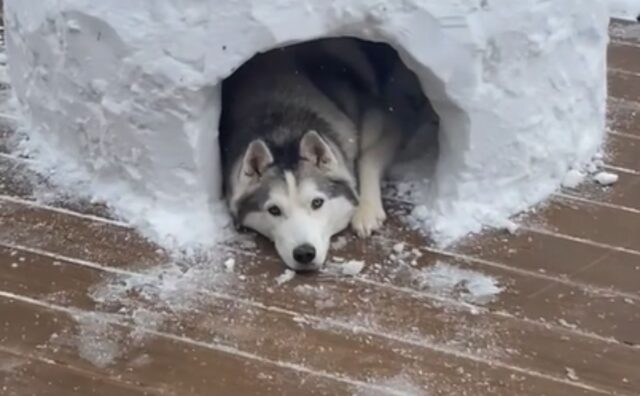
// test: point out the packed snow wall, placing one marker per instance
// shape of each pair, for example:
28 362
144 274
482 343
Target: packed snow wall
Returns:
123 98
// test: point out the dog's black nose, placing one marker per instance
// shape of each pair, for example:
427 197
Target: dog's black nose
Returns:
304 254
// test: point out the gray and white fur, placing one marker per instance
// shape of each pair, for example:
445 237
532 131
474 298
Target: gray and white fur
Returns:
306 137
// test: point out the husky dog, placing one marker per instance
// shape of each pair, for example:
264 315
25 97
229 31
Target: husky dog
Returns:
305 141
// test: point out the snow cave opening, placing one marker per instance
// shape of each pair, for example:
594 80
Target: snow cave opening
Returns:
403 96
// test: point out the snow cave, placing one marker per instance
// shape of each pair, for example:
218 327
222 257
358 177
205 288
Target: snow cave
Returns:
123 101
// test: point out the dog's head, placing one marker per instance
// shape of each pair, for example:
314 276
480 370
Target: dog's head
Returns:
299 209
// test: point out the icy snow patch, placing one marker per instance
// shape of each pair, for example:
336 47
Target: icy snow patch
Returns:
148 299
445 279
8 364
400 384
175 285
95 342
471 286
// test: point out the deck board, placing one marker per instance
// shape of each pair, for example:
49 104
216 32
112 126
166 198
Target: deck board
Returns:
22 375
254 326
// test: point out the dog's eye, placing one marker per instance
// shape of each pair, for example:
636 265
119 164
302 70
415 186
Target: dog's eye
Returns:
274 211
317 203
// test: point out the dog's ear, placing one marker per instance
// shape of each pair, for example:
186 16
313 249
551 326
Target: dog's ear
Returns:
256 160
315 149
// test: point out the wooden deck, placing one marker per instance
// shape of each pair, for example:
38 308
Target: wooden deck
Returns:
87 307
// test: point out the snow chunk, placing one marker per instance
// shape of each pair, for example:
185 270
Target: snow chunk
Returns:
420 212
352 267
339 243
230 264
571 374
285 277
573 178
606 178
347 268
511 227
398 248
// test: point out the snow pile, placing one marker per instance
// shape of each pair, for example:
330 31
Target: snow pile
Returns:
122 103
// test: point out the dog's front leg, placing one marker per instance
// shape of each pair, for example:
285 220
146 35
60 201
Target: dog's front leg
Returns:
370 214
379 142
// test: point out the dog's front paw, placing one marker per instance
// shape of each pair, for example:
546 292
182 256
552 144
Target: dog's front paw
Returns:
368 218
